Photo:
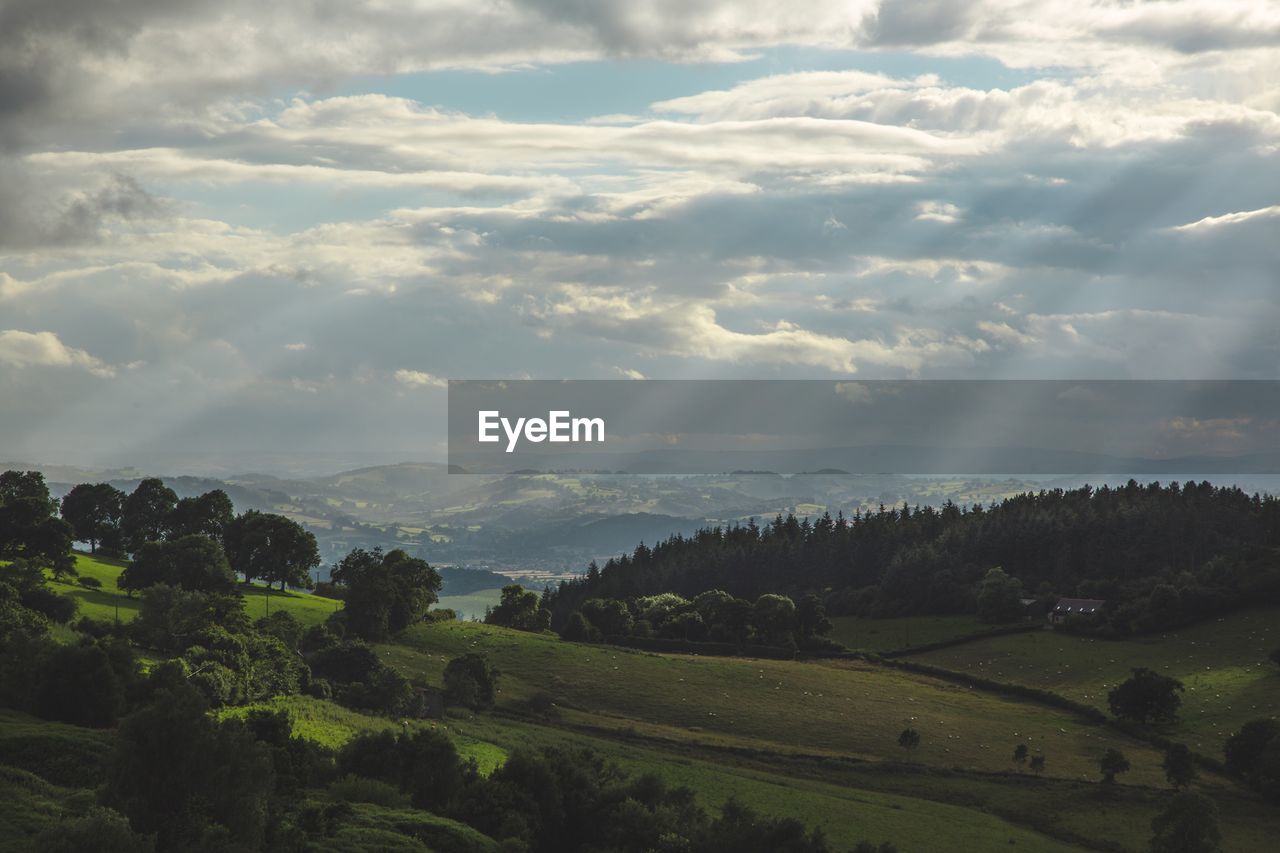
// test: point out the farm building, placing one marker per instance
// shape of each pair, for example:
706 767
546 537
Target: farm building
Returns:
1074 607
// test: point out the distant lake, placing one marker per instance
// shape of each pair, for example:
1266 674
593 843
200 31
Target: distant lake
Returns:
473 604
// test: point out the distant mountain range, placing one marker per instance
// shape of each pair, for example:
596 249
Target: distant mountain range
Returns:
560 522
892 459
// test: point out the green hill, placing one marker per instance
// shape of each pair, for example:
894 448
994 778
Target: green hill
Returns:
1223 665
109 602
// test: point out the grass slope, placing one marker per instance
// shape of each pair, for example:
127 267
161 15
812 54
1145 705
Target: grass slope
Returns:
836 708
332 725
818 741
1223 665
110 601
886 635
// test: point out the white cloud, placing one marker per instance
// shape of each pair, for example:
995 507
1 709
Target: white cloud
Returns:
418 379
1211 222
20 349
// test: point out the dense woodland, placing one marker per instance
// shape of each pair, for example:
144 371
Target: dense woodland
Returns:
1160 555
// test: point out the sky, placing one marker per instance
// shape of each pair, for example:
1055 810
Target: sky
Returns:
262 227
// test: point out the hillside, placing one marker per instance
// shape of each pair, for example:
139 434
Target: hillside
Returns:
1223 665
823 721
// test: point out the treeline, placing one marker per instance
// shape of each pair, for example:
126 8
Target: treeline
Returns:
1161 555
714 618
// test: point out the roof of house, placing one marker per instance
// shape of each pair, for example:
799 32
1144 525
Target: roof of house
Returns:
1078 605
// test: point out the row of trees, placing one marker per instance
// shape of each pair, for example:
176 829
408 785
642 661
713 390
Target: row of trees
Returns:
120 523
256 545
1161 556
715 616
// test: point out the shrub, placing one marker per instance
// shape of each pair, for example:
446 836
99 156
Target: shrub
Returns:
101 830
470 681
56 608
89 582
358 789
80 686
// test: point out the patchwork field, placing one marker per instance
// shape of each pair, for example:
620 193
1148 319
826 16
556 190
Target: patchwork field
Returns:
1223 665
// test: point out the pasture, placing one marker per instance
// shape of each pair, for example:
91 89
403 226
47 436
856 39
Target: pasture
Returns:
838 709
109 602
1223 665
886 635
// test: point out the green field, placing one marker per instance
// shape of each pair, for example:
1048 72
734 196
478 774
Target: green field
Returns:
841 709
886 635
333 725
818 741
109 602
1223 665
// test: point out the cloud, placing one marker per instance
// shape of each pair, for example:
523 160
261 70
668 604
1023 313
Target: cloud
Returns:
418 379
37 213
19 350
1070 190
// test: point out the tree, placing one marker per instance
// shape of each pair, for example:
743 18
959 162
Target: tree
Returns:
811 617
774 617
609 616
1266 773
386 593
171 619
94 511
1146 696
208 514
29 527
1179 768
1188 824
578 630
909 739
1112 764
181 774
79 686
1037 764
193 562
145 517
470 681
519 609
271 547
999 598
1020 754
1243 749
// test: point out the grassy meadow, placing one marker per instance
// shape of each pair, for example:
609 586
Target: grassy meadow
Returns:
1223 665
110 602
886 635
818 741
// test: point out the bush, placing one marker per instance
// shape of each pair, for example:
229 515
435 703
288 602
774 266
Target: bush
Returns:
101 830
89 582
80 686
56 608
359 789
470 681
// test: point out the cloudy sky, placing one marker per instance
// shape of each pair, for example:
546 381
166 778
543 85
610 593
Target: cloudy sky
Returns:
251 226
